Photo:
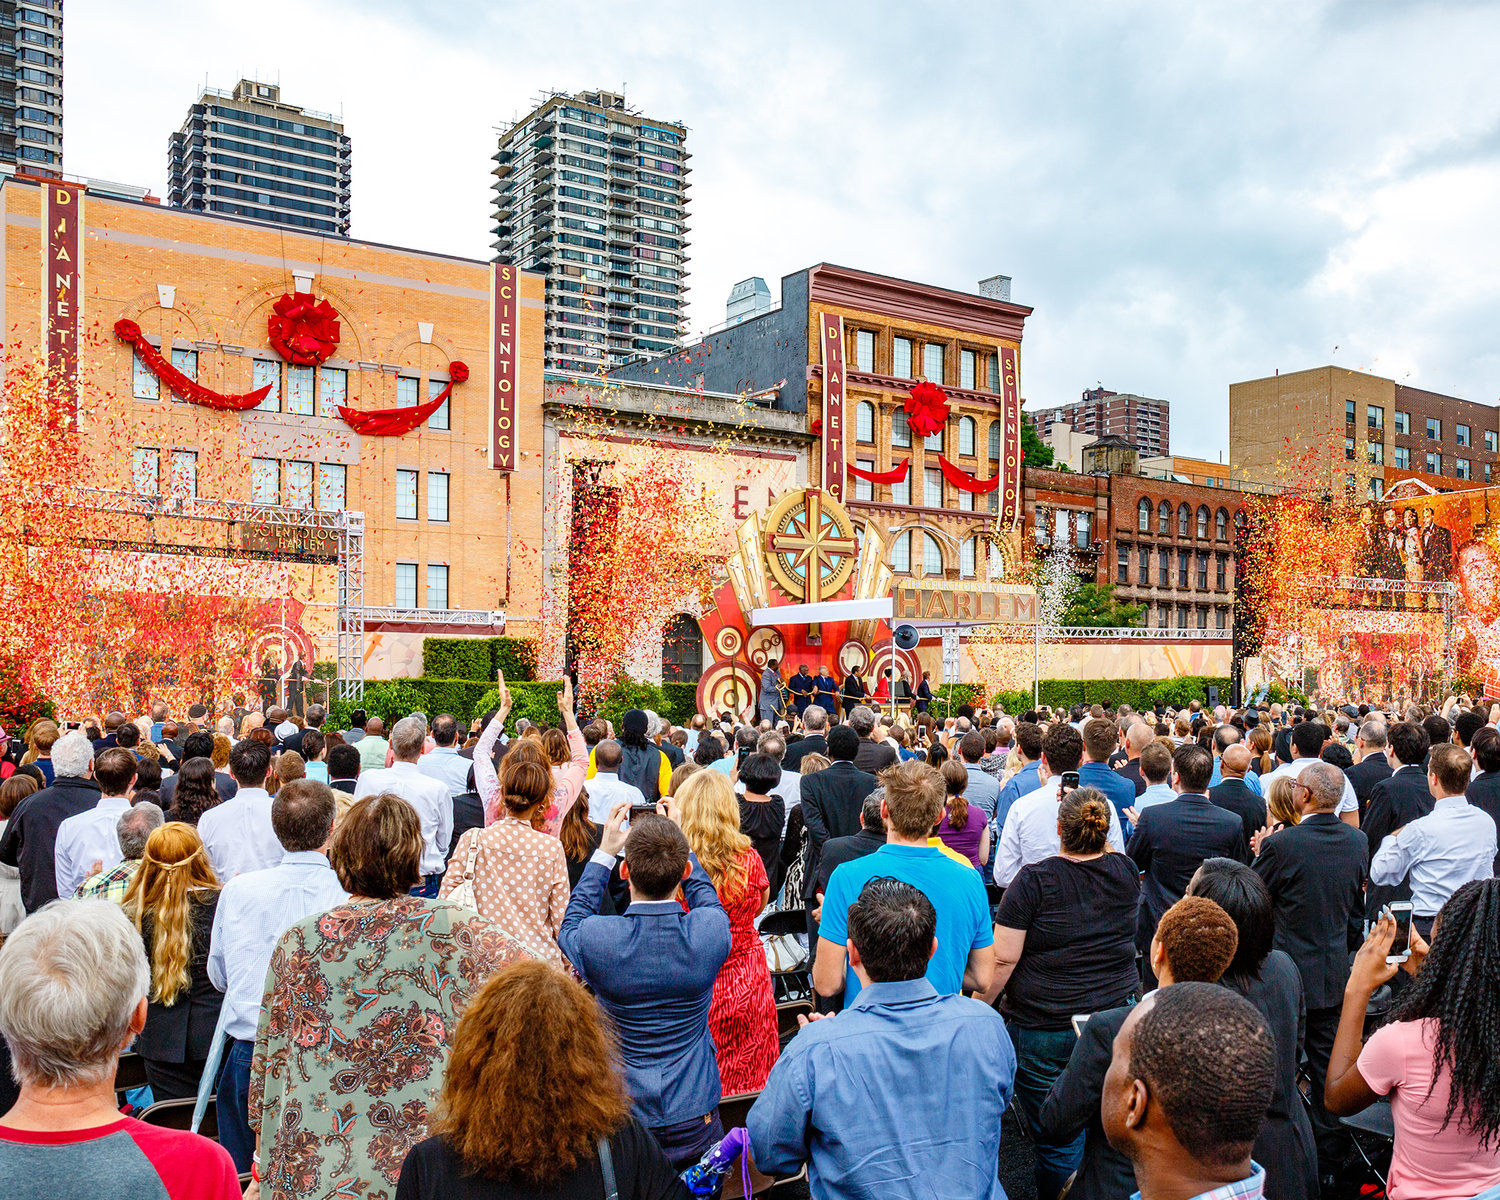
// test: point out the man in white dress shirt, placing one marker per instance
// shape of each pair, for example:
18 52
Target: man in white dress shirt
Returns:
1308 740
89 837
606 788
238 834
445 763
1449 847
431 798
1030 832
254 910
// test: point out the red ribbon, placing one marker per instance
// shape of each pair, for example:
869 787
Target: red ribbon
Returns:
895 475
189 389
393 422
965 482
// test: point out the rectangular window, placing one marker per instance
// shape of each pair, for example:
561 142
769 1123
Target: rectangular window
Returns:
333 487
437 495
406 495
265 481
1122 564
864 421
932 487
300 384
901 554
1083 530
1203 618
1182 617
966 369
966 558
932 362
145 471
1374 416
1375 452
1182 568
1461 432
1223 617
144 384
1221 573
965 500
1349 449
262 372
406 585
1403 422
443 417
437 585
1492 441
901 490
901 357
994 499
864 350
1487 472
1403 457
1163 569
863 488
299 485
900 430
995 371
406 391
933 441
186 361
333 390
1434 429
966 435
1372 487
1461 468
1349 411
1143 566
1203 572
1434 464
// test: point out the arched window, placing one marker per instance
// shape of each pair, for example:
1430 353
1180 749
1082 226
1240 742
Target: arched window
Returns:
966 435
1143 516
1221 525
1203 522
681 650
932 556
864 421
1184 519
996 562
968 554
901 554
995 441
1164 518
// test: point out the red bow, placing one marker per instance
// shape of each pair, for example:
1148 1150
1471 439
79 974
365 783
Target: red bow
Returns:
926 409
303 330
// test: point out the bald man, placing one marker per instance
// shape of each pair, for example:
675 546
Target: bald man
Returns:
1137 738
1232 793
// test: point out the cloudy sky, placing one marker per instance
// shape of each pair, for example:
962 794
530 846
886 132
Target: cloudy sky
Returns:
1187 193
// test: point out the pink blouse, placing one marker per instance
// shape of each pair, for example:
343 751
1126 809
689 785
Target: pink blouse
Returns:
568 780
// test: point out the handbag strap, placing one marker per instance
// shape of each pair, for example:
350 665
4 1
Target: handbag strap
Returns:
473 855
607 1169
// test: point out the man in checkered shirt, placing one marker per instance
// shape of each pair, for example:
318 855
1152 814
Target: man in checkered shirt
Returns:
133 828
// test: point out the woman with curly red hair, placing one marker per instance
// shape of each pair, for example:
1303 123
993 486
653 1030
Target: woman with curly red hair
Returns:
532 1104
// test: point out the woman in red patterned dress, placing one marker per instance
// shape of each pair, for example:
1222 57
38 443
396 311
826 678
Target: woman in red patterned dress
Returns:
742 1017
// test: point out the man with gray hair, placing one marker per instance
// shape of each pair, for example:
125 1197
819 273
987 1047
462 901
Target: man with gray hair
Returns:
73 987
30 841
814 740
430 797
875 754
133 828
1371 765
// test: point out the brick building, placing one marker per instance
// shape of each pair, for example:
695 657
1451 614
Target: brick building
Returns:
1143 422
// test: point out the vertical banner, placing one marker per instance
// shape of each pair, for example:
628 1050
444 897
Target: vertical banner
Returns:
505 364
831 326
1010 457
62 292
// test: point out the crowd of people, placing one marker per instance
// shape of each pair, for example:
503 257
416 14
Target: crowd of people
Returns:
501 960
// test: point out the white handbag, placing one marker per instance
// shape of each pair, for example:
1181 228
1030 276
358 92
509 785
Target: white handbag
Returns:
464 892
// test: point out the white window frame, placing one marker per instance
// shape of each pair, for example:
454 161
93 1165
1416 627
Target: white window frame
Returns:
438 485
301 390
402 597
145 471
408 389
262 372
437 581
299 479
333 390
260 468
144 385
408 503
333 487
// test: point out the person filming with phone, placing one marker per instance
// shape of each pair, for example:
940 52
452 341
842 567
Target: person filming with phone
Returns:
1436 1057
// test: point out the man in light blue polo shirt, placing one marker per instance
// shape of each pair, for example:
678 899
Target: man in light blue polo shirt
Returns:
914 795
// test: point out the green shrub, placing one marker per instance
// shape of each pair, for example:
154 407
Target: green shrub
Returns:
681 700
515 656
537 702
1111 693
326 669
947 698
456 658
626 693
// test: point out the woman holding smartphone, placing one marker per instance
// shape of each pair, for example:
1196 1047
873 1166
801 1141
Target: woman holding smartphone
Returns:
1437 1058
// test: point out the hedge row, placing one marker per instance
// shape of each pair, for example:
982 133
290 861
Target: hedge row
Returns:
477 659
466 699
1111 693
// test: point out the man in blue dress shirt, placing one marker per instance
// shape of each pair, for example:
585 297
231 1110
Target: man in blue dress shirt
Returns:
901 1094
1099 739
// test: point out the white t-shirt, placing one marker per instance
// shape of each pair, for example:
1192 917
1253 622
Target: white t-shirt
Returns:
1294 769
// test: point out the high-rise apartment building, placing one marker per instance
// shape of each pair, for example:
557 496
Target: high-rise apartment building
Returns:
594 195
31 83
1143 422
246 153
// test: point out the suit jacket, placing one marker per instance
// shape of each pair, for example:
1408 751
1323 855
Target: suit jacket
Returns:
1484 794
874 757
468 813
813 743
845 849
1437 552
1363 776
1316 872
1236 796
1072 1107
30 841
1170 842
653 971
831 801
1394 802
1131 769
344 785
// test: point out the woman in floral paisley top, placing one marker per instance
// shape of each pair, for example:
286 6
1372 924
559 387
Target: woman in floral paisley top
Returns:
361 1005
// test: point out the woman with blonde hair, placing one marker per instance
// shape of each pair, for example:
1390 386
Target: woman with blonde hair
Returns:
742 1016
1262 761
1281 810
172 900
681 773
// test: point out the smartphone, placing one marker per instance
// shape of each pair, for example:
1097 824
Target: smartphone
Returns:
1401 948
1069 783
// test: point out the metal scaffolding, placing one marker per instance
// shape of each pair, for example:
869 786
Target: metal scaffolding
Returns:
351 611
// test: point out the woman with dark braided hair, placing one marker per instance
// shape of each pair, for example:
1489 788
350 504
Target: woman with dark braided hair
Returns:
1439 1057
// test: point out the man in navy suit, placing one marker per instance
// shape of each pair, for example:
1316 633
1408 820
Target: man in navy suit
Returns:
653 970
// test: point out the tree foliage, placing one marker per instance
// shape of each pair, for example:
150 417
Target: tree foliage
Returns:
1095 606
1034 451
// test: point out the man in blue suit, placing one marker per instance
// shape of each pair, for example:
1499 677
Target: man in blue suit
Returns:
653 970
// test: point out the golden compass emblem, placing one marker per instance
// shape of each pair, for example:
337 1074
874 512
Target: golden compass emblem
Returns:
811 547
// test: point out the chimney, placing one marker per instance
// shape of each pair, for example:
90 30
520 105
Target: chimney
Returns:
996 287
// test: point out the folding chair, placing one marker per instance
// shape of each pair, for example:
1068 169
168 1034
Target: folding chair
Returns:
786 1018
130 1074
178 1114
1373 1133
790 980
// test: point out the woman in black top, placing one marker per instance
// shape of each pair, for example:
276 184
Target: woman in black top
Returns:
762 815
580 838
1064 945
532 1104
1269 979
